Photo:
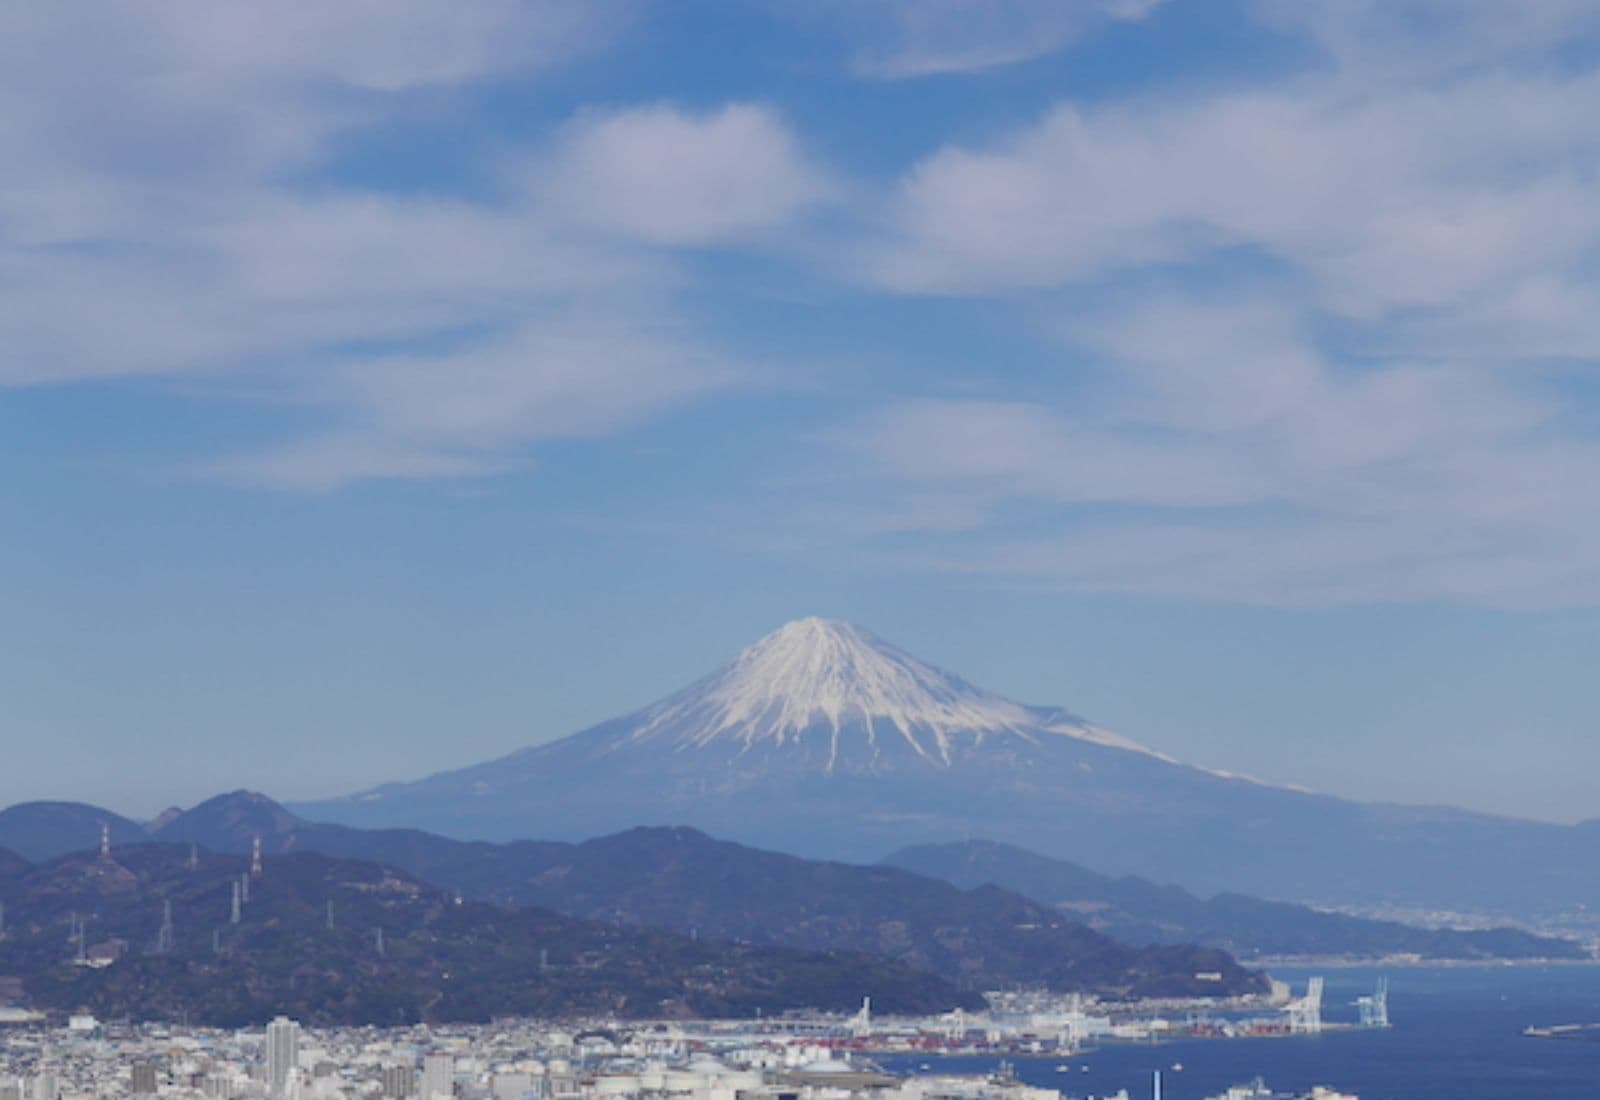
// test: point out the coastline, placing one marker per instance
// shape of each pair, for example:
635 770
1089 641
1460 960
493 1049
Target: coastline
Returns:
1404 962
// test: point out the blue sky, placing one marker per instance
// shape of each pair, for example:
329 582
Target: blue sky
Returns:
384 387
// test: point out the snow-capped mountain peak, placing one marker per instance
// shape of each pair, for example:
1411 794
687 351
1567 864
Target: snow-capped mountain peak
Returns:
820 679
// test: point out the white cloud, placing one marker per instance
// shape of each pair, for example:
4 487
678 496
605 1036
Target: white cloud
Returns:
271 281
918 38
665 176
1439 160
1413 41
1414 198
382 45
145 220
473 410
1200 364
169 238
1395 244
324 463
153 106
562 377
1225 457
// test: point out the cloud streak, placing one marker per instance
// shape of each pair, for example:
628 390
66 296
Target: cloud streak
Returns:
436 335
663 176
472 410
1297 337
1312 334
907 39
1225 457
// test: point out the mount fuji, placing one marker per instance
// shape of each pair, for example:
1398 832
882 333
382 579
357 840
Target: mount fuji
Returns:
822 740
828 697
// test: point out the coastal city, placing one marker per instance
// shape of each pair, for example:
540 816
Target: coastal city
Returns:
799 1057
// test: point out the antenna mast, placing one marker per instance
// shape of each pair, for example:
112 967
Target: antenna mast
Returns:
164 937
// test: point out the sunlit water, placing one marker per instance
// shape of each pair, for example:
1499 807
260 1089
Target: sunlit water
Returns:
1456 1036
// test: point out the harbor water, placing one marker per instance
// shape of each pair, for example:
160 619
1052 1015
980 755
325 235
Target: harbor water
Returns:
1456 1035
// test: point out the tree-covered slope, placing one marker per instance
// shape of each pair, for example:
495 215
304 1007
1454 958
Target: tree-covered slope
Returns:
683 880
43 830
397 951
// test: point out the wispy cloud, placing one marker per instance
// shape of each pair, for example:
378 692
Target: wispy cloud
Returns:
1226 457
1293 336
194 234
665 176
1402 198
903 39
1397 246
474 409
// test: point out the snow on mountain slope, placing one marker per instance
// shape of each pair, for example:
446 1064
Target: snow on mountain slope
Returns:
817 675
822 679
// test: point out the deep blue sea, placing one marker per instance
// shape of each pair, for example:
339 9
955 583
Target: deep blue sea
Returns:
1456 1035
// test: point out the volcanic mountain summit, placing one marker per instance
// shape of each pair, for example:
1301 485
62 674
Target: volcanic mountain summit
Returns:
832 695
822 740
815 712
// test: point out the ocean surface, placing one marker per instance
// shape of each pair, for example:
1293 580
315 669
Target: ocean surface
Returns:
1456 1035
